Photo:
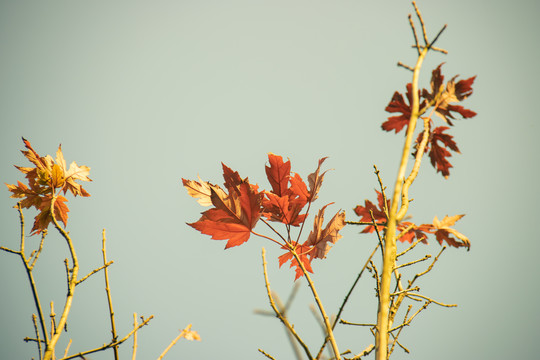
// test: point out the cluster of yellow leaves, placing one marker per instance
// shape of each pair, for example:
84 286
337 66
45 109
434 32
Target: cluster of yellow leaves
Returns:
46 180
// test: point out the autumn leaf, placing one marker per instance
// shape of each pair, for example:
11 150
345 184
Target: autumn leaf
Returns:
315 180
443 232
201 190
44 180
414 232
69 175
303 252
234 214
398 105
379 213
278 174
289 193
438 154
443 99
320 239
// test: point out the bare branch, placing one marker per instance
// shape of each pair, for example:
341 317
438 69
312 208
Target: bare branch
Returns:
411 22
409 248
38 340
37 252
345 322
413 262
277 312
95 271
108 292
111 344
67 348
429 268
421 22
182 334
431 300
135 324
267 355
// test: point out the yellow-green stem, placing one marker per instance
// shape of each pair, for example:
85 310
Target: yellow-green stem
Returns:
49 352
327 324
389 253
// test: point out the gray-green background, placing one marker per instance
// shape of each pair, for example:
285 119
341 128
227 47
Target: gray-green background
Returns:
147 92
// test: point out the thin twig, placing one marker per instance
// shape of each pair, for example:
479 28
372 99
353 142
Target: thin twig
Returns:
95 271
421 22
366 352
364 223
383 190
338 316
409 248
108 291
283 310
413 262
404 66
67 348
377 231
49 352
38 340
318 301
429 299
429 267
37 252
29 274
111 344
411 22
437 37
135 324
265 354
181 335
406 291
408 321
277 312
345 322
399 332
53 319
376 277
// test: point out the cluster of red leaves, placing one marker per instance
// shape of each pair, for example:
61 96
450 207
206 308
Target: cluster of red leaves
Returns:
45 181
409 231
237 209
442 99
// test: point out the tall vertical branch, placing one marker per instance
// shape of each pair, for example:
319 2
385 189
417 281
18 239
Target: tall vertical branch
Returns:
389 252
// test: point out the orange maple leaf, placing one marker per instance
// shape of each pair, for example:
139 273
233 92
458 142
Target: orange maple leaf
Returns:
234 214
44 180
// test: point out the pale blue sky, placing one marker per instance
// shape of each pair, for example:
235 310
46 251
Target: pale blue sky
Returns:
147 92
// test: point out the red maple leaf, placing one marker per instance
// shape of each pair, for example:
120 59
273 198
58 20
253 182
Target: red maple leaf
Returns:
398 105
234 214
378 213
444 98
438 154
303 252
415 232
289 193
